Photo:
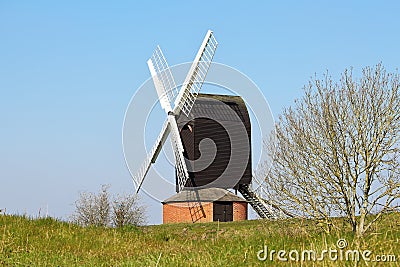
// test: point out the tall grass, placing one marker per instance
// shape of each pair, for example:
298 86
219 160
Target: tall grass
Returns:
49 242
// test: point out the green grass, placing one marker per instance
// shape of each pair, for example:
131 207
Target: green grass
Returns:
48 242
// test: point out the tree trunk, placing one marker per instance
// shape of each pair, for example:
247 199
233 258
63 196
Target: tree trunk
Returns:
361 224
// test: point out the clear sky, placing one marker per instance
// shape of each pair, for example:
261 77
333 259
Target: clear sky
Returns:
68 71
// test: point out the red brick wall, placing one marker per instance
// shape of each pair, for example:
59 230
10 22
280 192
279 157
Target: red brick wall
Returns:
239 211
179 212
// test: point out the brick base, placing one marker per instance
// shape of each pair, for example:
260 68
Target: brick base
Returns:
239 211
180 212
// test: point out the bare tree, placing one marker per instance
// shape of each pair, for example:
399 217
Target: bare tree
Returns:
103 206
92 209
85 212
127 211
336 152
97 210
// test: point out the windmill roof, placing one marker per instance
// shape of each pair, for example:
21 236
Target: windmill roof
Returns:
221 97
204 195
217 107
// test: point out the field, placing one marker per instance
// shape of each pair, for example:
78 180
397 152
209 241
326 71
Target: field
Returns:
48 242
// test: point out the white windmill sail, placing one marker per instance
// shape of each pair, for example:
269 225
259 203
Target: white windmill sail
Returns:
165 87
162 78
167 91
180 164
196 75
151 156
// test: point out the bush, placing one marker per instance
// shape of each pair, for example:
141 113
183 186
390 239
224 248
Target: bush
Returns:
99 210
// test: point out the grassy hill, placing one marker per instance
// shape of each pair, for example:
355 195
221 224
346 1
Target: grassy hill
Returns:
48 242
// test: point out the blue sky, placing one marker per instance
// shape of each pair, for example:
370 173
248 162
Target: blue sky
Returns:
69 69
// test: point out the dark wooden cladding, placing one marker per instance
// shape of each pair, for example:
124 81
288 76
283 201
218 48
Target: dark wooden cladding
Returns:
210 116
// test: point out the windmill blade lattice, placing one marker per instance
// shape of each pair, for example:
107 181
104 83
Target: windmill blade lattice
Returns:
196 76
180 164
151 156
162 76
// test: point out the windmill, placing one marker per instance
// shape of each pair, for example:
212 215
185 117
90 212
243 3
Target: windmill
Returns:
179 103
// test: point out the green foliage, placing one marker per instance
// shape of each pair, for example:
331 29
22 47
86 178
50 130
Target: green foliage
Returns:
49 242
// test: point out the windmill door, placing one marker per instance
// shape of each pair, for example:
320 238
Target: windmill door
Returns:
223 211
